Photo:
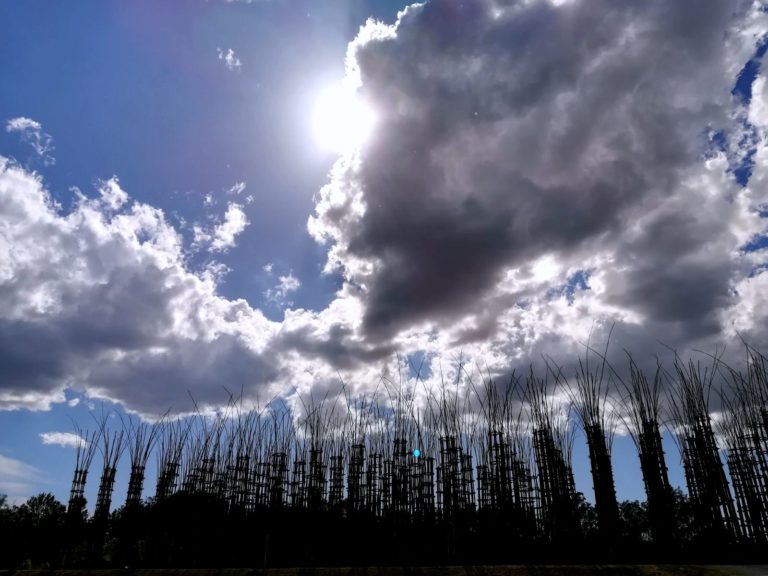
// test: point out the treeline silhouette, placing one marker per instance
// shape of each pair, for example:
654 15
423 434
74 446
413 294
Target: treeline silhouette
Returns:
462 474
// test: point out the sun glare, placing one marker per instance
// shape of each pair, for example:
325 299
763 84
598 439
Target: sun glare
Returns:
545 269
343 121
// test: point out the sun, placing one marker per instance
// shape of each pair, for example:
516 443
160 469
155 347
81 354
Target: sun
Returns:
343 120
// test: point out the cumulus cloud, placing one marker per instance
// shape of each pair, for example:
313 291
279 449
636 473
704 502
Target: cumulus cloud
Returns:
31 132
321 343
227 56
63 439
528 184
100 299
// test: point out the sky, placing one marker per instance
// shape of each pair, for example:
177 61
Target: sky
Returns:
272 196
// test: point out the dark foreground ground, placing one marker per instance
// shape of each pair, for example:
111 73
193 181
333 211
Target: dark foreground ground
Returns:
538 570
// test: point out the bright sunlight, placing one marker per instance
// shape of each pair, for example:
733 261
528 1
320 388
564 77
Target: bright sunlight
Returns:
343 121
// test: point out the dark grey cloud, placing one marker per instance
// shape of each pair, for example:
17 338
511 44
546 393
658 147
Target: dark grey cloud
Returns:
511 130
208 371
337 347
671 276
33 358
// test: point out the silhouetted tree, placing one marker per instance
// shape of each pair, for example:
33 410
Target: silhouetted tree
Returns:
38 531
633 516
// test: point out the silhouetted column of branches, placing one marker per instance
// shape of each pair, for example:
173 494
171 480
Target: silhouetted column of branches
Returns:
742 428
171 448
707 483
141 439
85 450
644 416
589 400
112 447
556 490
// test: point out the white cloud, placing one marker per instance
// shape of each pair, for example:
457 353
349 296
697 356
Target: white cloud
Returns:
63 439
224 234
22 124
201 236
32 133
758 106
112 196
280 293
237 188
231 61
758 118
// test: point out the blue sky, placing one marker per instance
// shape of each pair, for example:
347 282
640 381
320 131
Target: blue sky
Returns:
517 195
139 91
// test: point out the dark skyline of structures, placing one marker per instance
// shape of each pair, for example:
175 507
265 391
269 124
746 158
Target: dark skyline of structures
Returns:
486 478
